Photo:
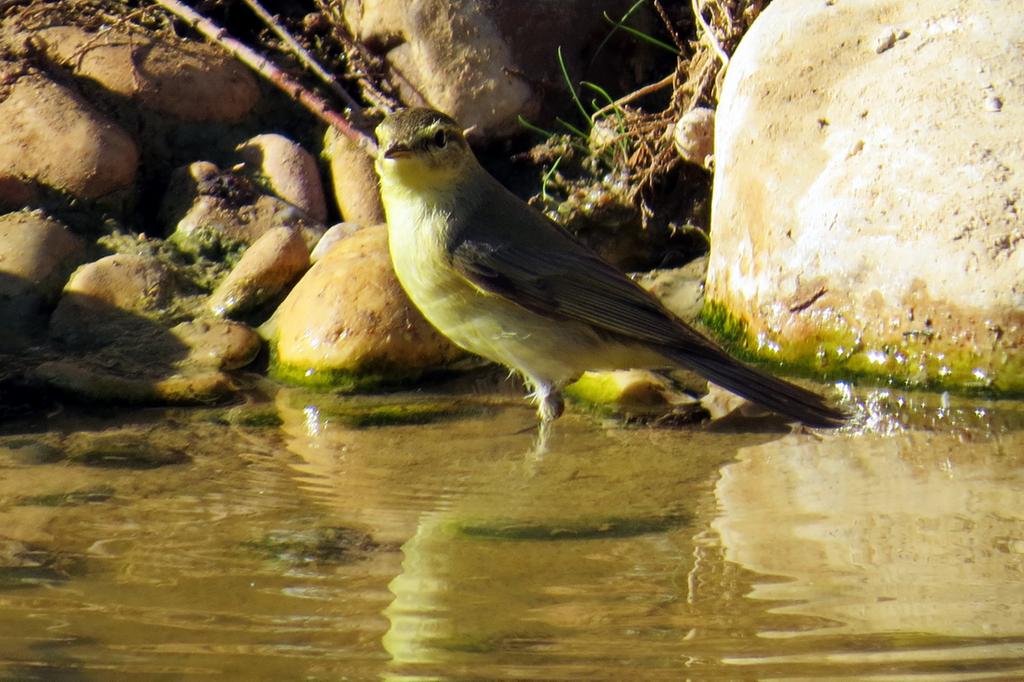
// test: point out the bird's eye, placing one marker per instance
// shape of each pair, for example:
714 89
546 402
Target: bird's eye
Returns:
440 139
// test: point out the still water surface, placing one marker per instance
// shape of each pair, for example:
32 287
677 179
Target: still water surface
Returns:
311 537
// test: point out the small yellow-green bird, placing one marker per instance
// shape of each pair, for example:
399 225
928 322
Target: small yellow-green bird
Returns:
503 281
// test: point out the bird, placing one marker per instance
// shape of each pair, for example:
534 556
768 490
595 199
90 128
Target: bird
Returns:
503 281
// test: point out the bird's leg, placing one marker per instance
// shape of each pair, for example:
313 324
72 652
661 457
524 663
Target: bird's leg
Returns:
550 406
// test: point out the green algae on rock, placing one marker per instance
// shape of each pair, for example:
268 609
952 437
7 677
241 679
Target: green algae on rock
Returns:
842 347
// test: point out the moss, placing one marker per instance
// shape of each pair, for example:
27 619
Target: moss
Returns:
370 377
576 529
596 388
837 352
255 418
74 498
324 545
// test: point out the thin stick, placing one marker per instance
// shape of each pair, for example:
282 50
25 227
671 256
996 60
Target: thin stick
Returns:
308 60
309 99
635 95
709 33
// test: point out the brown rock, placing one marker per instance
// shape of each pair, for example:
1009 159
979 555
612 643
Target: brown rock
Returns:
217 344
354 180
272 262
52 136
110 298
188 80
36 255
484 61
289 170
348 316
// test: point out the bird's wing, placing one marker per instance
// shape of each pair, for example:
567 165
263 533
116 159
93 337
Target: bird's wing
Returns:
555 276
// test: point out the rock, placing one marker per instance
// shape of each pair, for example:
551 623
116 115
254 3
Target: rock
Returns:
680 289
224 212
333 235
125 384
694 136
486 62
272 262
289 170
15 192
117 349
52 136
354 180
188 80
864 217
37 254
107 299
217 344
348 322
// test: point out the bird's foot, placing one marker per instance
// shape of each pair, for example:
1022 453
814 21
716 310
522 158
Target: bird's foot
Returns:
550 406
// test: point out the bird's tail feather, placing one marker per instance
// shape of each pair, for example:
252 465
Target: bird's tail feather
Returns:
757 386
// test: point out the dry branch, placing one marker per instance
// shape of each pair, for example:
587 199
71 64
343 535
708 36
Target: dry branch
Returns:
309 99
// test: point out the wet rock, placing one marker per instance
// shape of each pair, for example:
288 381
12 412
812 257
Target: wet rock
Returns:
272 262
26 565
37 254
126 452
53 137
864 215
217 213
348 322
333 235
289 171
217 344
354 180
109 381
485 63
29 452
694 136
188 80
636 394
109 298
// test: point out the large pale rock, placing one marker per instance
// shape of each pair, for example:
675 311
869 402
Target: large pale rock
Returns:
52 136
188 80
289 170
866 211
486 61
348 322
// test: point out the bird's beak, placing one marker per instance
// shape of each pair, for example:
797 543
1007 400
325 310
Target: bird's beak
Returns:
397 151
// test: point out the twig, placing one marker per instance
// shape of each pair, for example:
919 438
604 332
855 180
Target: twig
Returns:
308 60
709 33
635 95
665 19
271 72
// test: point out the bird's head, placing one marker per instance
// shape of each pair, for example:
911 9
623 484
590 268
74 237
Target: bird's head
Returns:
422 148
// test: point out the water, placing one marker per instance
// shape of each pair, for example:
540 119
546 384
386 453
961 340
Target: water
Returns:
313 538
